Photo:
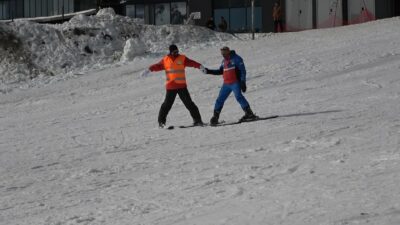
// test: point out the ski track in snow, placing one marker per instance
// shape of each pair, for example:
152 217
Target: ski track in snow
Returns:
88 151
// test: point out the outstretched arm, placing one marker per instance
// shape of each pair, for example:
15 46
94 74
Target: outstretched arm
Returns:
192 63
153 68
219 71
157 67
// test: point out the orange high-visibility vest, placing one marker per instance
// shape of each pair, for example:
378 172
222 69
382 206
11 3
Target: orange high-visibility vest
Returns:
175 70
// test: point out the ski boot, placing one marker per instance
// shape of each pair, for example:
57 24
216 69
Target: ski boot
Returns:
161 124
198 123
214 119
248 116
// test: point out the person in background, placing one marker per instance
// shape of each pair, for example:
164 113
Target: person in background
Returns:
223 25
210 23
174 65
233 72
277 17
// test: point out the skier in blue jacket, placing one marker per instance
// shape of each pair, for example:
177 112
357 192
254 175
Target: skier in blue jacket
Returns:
234 74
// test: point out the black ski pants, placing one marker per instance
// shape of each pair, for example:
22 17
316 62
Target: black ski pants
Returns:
187 101
278 27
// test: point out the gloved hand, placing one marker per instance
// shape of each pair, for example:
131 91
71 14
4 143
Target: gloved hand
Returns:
145 73
203 69
243 86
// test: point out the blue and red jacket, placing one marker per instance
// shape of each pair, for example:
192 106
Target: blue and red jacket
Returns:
232 69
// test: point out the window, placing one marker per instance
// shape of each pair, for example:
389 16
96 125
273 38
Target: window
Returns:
43 9
66 6
140 11
32 9
70 6
26 8
149 14
50 7
237 19
178 12
257 18
84 4
162 12
136 11
2 10
218 13
55 7
130 11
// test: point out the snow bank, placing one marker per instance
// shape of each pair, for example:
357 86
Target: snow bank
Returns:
31 50
133 47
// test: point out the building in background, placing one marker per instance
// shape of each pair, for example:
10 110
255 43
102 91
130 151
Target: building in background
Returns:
298 14
309 14
158 12
12 9
117 5
237 13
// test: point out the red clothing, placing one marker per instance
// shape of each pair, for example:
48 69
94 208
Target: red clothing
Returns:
173 85
229 74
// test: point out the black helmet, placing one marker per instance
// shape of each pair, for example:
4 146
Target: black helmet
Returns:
173 48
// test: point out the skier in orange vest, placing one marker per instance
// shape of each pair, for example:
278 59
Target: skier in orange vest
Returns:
174 65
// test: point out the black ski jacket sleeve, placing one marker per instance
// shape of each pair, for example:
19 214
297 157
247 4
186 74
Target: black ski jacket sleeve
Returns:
220 71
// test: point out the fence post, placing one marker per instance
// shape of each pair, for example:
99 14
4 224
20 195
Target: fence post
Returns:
252 18
63 11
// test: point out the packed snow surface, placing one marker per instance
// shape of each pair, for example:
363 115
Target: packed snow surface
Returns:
87 150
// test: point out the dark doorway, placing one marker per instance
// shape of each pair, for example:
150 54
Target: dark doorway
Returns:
396 8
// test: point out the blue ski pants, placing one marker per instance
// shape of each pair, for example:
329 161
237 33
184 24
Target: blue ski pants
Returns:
224 93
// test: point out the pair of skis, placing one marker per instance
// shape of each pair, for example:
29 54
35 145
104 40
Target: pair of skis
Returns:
223 123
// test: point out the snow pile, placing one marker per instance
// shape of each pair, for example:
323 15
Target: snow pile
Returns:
106 12
133 48
29 50
14 59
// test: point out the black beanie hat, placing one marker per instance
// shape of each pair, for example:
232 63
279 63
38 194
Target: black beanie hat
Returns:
173 48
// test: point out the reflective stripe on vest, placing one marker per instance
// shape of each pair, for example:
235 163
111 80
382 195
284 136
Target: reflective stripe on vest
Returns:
230 68
175 69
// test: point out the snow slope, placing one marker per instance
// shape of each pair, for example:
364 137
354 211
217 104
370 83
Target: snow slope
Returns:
88 150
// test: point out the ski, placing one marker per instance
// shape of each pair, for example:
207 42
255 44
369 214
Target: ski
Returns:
204 125
220 124
171 127
247 121
192 125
